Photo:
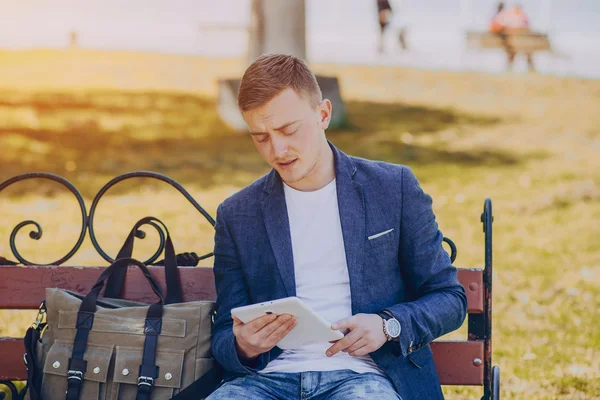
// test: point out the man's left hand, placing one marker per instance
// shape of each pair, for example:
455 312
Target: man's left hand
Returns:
365 335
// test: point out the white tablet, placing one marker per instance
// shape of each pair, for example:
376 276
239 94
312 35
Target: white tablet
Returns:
310 327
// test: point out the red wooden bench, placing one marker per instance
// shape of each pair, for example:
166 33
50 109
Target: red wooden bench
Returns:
465 362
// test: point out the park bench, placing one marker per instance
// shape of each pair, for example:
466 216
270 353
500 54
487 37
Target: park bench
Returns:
521 42
464 362
513 43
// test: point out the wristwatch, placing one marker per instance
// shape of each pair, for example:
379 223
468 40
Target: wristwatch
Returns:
391 326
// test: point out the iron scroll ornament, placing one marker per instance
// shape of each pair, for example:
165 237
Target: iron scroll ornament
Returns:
453 251
88 220
140 234
37 235
187 259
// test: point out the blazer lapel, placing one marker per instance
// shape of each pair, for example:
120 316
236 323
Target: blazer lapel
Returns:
352 218
278 229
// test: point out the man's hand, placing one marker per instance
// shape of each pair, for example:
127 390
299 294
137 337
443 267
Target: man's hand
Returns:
262 334
365 335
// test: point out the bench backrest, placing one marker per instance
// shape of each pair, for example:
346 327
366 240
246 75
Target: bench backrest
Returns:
24 287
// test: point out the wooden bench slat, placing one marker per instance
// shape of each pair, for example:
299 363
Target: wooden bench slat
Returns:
23 287
519 41
12 366
472 280
453 360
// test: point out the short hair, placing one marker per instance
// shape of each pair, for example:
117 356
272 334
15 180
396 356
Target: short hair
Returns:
270 74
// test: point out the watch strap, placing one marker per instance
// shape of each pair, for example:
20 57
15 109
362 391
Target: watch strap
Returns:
384 315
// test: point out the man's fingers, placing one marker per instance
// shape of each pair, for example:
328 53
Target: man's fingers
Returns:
257 324
357 345
236 321
268 329
346 342
361 351
346 323
282 331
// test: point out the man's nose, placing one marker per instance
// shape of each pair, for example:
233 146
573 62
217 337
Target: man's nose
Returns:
280 147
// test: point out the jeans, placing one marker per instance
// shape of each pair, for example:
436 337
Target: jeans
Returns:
334 385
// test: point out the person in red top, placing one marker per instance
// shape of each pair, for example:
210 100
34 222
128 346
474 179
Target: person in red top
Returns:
509 21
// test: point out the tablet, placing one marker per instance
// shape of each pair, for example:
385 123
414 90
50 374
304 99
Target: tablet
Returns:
310 327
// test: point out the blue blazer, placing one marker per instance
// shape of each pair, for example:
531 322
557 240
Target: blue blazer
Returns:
406 271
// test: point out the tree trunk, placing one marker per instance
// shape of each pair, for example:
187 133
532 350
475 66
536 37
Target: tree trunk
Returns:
277 27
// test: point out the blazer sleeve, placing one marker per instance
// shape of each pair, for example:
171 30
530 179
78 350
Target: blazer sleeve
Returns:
231 292
441 303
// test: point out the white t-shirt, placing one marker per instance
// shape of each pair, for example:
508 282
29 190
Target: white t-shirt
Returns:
322 280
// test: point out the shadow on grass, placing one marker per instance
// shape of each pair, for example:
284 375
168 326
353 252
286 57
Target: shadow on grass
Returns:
92 137
103 100
398 117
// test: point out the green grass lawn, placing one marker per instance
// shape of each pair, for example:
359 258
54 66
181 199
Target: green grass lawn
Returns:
535 150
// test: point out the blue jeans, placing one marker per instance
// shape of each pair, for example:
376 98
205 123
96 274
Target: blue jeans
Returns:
334 385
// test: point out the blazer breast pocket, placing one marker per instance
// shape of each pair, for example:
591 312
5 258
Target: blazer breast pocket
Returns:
382 250
386 237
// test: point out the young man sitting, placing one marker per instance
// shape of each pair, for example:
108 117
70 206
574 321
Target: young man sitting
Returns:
355 239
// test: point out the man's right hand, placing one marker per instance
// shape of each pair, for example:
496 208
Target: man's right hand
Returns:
261 335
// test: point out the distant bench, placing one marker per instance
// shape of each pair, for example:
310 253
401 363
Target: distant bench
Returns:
522 42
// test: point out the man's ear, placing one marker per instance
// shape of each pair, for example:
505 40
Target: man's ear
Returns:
325 110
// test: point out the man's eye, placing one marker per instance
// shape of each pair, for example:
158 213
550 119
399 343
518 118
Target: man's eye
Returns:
291 132
263 138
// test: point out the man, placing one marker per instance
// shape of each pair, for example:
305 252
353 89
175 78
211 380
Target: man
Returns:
384 12
354 239
384 16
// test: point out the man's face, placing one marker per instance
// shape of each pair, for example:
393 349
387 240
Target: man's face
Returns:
290 134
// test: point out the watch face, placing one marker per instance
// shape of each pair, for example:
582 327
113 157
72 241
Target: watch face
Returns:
393 327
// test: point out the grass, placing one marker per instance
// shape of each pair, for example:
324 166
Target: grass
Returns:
529 142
